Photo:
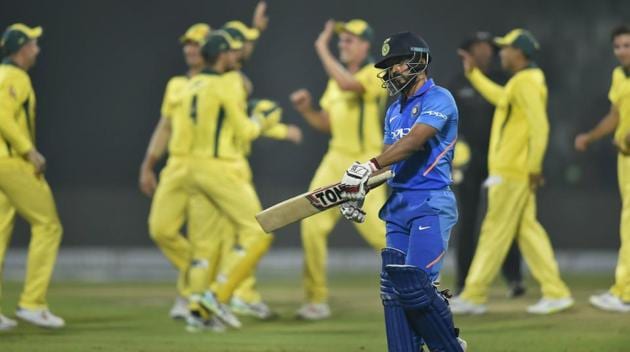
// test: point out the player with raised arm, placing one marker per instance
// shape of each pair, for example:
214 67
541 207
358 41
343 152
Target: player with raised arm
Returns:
518 142
617 299
23 188
420 135
351 111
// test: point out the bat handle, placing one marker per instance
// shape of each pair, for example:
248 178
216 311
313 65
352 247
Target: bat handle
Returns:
379 179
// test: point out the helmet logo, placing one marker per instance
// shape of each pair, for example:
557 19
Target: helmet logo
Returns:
385 47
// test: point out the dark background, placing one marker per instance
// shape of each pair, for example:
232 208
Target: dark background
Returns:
104 65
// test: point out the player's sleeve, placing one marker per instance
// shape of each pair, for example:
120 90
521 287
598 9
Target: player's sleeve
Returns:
371 84
9 127
613 93
167 102
437 110
388 139
244 128
528 99
279 131
490 90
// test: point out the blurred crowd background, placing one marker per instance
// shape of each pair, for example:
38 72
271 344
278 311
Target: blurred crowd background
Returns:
104 66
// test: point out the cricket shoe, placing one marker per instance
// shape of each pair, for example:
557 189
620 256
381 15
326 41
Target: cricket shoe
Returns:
196 323
6 323
609 302
550 305
462 343
40 317
313 311
179 309
257 310
462 306
220 310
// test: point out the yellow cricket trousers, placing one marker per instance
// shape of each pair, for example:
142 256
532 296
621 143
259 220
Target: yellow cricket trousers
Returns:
30 196
206 219
219 181
512 214
621 288
315 230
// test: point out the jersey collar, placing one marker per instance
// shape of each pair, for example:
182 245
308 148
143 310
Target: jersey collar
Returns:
209 71
425 87
403 100
8 61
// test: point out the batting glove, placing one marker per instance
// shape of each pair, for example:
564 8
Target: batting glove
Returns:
352 211
354 182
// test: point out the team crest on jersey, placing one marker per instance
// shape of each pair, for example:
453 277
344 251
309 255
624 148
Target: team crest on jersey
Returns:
415 111
385 47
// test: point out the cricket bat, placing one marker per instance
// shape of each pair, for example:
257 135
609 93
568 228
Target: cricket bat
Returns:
309 203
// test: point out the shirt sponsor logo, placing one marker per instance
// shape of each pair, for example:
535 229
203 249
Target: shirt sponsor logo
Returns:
400 133
435 114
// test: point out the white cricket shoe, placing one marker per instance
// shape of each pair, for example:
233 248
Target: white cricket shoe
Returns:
40 317
220 310
313 311
195 323
179 309
258 310
609 302
462 306
463 343
6 323
550 305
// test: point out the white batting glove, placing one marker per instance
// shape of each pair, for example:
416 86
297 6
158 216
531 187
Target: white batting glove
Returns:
352 211
354 182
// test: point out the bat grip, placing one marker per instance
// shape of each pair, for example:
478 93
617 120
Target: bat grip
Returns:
379 179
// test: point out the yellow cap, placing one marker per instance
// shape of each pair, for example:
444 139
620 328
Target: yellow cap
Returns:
16 35
197 33
358 27
246 33
521 39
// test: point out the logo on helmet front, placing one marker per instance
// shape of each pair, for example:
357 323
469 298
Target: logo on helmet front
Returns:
385 47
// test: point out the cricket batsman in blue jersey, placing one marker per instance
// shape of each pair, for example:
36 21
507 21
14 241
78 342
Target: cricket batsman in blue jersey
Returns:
420 135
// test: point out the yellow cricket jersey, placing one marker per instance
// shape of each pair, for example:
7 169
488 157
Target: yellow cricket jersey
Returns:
520 126
208 117
356 119
17 111
619 96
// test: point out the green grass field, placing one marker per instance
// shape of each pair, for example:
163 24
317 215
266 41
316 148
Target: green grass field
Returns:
133 317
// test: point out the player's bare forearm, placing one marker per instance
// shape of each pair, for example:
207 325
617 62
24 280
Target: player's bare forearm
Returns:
157 145
406 146
318 119
336 71
606 126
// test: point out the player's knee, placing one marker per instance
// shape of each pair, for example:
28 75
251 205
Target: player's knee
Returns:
159 231
50 230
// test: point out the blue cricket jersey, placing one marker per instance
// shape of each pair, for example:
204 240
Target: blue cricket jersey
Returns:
428 169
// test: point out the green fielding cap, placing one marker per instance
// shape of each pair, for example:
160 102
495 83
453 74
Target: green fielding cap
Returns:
521 39
16 35
218 42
